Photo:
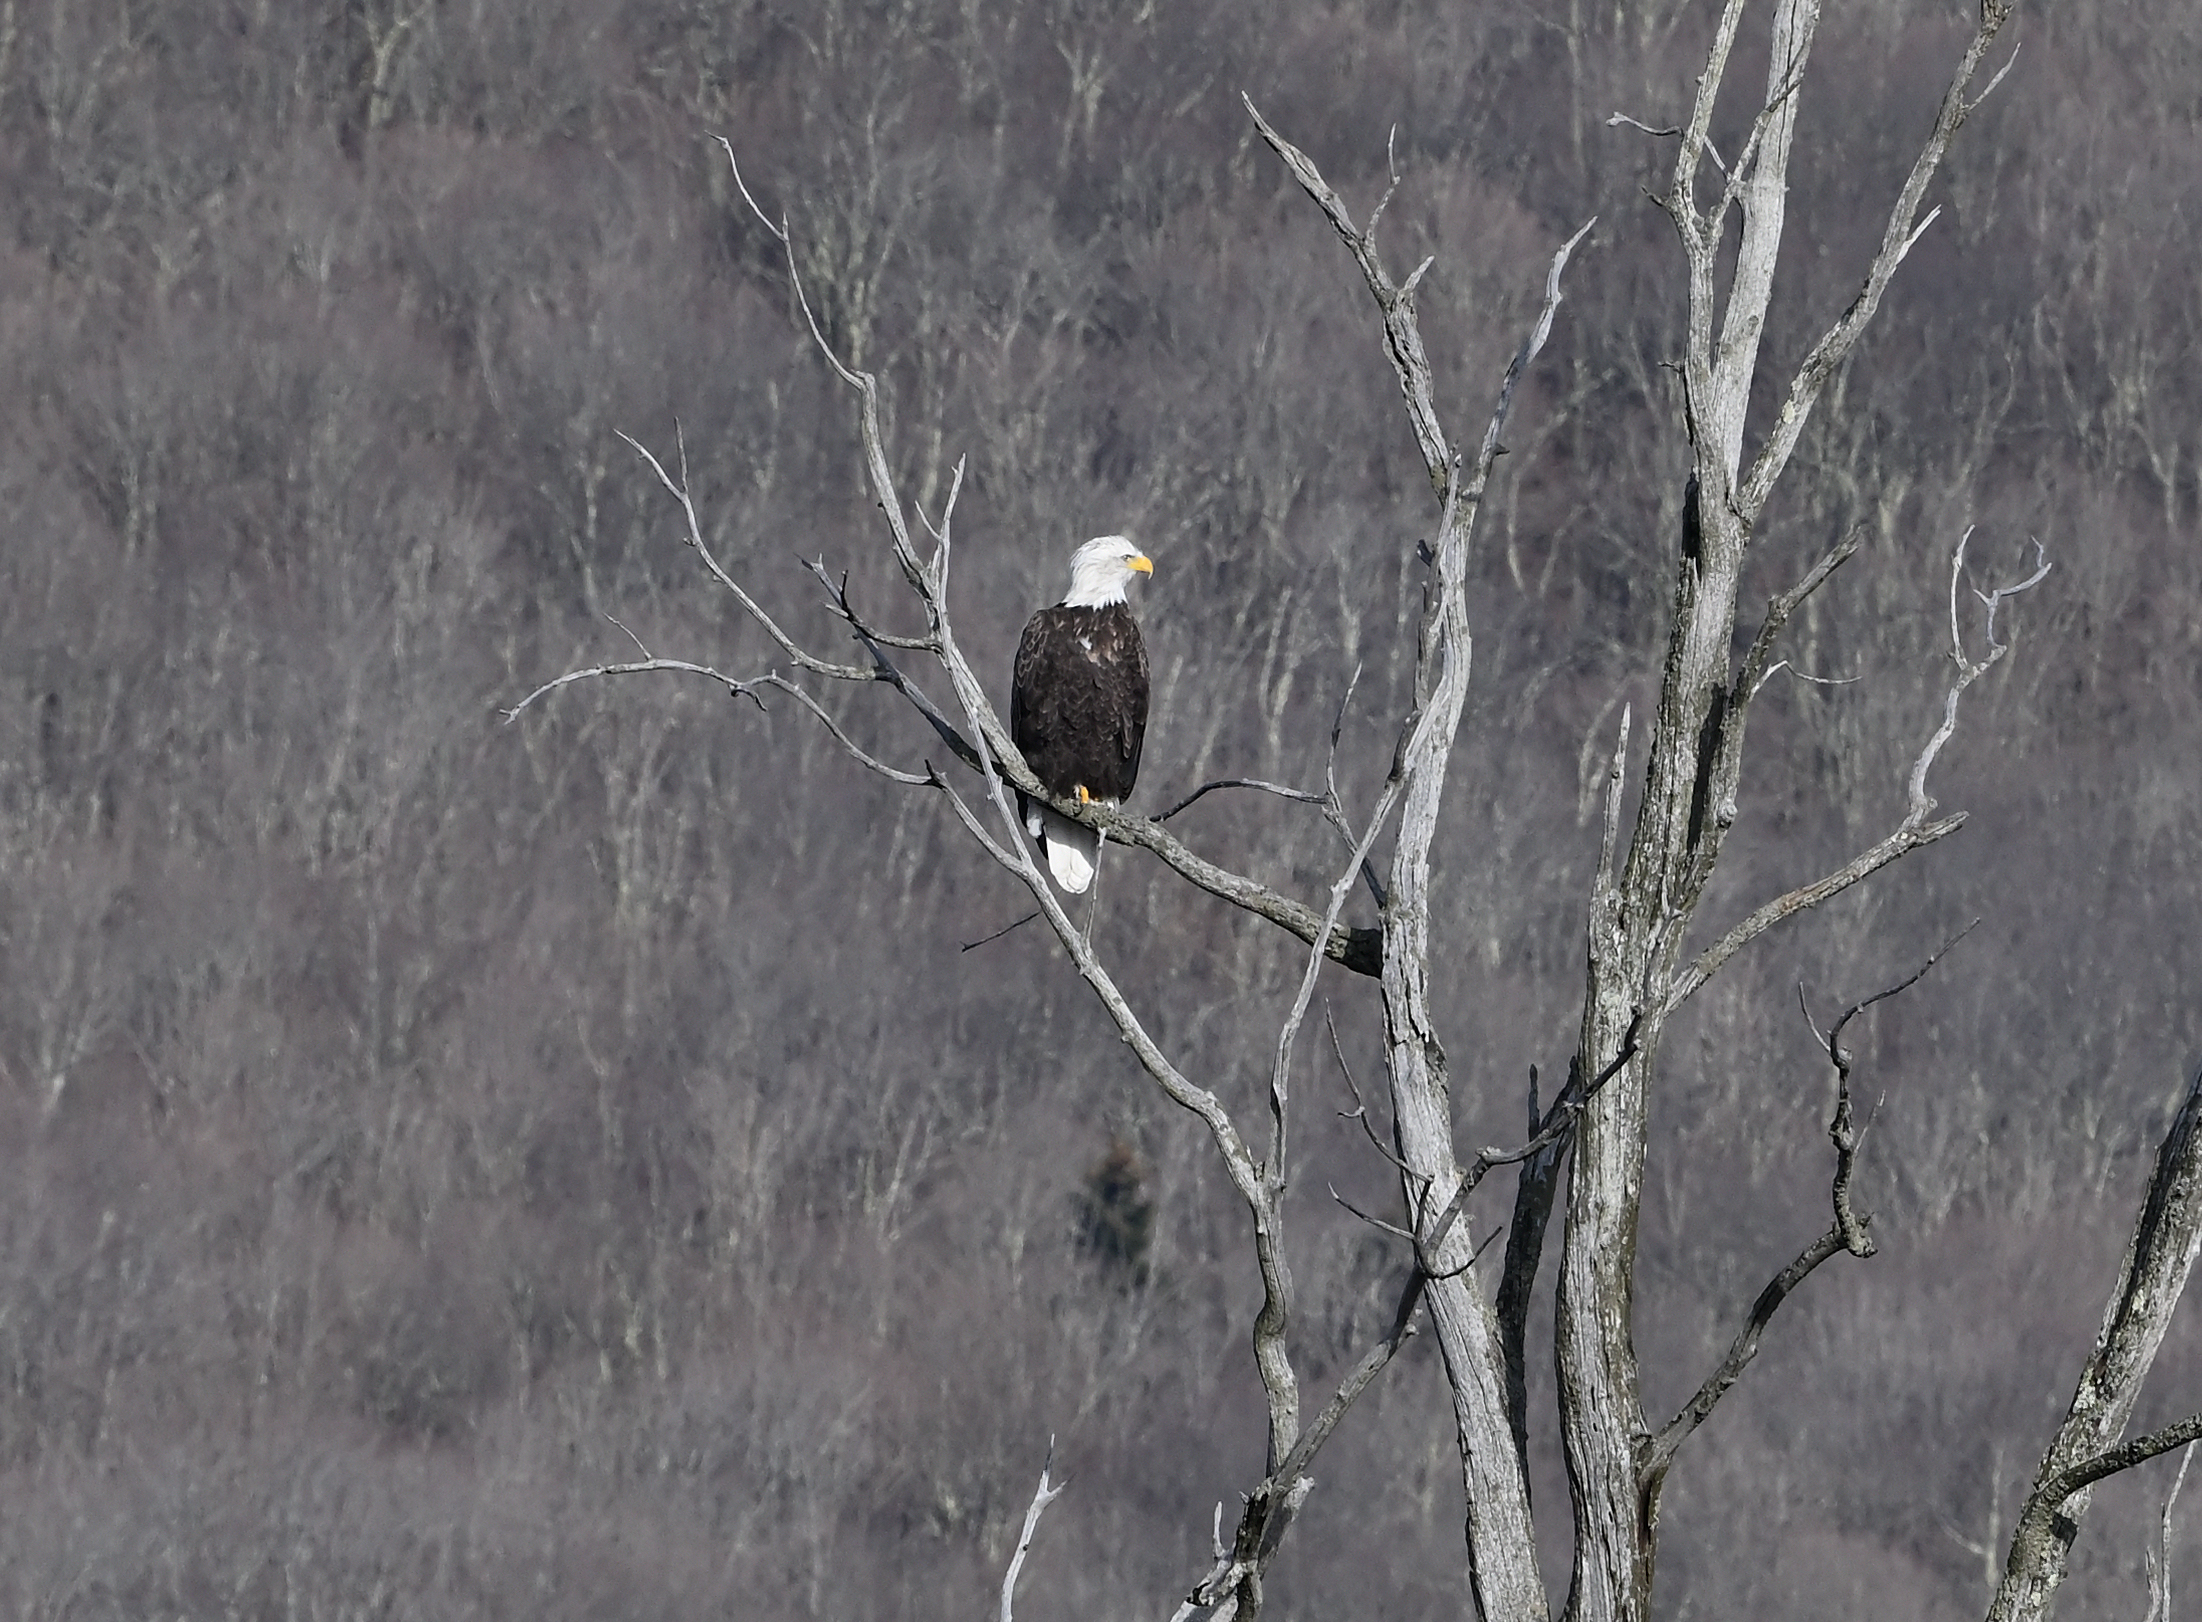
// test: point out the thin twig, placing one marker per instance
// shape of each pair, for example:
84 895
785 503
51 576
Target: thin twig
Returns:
1278 789
1377 1222
679 491
2159 1561
1559 1122
644 667
972 946
1279 1074
1360 1110
1836 1052
1780 665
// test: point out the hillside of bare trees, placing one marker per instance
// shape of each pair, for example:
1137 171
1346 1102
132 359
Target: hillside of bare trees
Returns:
569 1169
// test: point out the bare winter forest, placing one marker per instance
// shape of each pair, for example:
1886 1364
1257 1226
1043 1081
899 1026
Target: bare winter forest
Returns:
568 1169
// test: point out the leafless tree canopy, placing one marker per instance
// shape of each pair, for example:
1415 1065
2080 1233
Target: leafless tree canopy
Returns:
568 1167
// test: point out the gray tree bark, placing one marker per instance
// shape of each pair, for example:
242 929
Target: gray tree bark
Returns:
1635 976
2159 1256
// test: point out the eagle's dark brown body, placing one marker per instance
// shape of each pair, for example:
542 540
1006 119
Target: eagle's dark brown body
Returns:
1078 700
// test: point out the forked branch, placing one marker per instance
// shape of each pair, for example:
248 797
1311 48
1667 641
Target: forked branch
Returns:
1042 1496
2159 1257
1848 1232
1915 830
1897 238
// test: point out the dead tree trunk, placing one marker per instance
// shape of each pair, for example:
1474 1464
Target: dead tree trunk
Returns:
1639 924
1639 929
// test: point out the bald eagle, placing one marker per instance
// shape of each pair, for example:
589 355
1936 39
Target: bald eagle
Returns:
1078 703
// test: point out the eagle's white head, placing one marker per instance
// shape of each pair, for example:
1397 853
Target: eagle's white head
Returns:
1101 569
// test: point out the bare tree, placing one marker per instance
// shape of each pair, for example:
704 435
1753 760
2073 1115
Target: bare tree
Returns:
1644 957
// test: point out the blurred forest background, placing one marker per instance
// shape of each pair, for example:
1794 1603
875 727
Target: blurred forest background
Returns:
566 1169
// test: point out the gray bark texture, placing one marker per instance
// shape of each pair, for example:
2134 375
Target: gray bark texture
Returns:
1639 929
2158 1258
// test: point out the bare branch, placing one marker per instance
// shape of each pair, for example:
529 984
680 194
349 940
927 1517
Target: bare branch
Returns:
886 670
1278 789
1372 1364
1778 612
1973 106
1042 1496
1839 1055
1904 840
1359 949
1623 120
973 946
1696 136
2111 1461
1538 1184
2159 1558
1391 189
1660 1456
1969 669
1778 99
1918 231
1915 830
746 689
1780 665
1376 1222
1333 804
1610 827
1729 723
779 231
1402 334
1531 347
643 667
1836 344
750 605
1360 1112
2159 1256
1848 1232
910 779
1270 1324
1279 1074
1558 1122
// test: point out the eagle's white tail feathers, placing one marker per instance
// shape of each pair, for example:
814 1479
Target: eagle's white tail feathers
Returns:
1072 848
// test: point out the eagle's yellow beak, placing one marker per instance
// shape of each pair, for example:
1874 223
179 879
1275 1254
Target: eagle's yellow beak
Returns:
1140 565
